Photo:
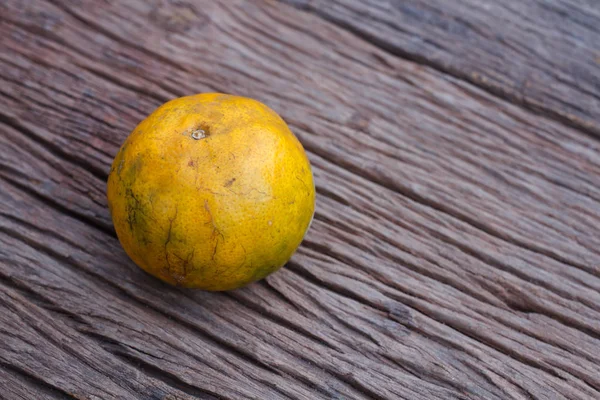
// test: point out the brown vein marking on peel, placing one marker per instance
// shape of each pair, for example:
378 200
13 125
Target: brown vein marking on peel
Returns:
229 182
215 232
169 233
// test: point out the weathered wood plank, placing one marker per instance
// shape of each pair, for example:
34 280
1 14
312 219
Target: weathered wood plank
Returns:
45 354
437 266
542 54
17 384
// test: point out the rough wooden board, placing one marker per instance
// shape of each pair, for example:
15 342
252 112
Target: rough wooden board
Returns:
544 54
50 356
437 266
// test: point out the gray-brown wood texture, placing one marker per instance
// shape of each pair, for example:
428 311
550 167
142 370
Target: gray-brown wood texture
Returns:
542 54
455 251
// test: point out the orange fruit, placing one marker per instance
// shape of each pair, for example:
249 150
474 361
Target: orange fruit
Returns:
211 191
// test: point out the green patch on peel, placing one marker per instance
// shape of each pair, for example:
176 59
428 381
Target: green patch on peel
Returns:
134 169
261 272
138 212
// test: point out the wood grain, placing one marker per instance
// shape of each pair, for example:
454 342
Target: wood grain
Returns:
543 54
454 253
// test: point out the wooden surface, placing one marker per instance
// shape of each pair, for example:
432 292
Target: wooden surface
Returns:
541 54
455 251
